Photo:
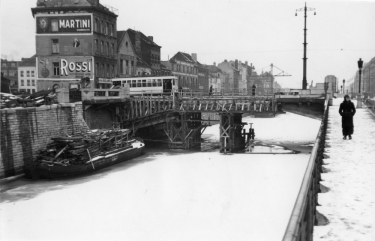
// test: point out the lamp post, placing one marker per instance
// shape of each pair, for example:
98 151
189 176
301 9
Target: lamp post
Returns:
304 80
359 100
343 84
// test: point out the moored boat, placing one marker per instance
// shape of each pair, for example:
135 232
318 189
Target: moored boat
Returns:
77 155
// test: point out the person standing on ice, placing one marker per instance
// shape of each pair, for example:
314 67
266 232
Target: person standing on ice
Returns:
347 111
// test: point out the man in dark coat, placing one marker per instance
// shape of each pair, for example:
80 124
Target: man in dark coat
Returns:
347 111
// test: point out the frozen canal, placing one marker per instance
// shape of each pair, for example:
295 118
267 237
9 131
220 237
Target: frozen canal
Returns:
169 195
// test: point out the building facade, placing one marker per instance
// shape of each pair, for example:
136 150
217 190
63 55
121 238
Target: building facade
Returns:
126 57
332 80
27 75
234 75
185 68
9 71
75 40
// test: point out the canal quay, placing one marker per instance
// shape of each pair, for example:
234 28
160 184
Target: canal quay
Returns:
172 194
145 120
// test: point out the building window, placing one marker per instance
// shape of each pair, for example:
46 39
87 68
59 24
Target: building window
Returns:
96 25
13 65
33 82
126 43
107 71
22 82
113 71
54 25
55 46
32 73
56 68
110 30
113 49
28 73
101 27
121 66
102 71
101 47
3 65
96 69
107 49
21 73
96 46
28 82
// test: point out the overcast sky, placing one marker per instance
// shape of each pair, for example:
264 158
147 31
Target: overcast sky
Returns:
260 32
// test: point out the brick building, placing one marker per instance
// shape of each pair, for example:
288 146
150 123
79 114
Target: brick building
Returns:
27 75
74 40
9 71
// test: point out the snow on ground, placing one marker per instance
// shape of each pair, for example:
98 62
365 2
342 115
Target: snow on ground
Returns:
350 203
167 195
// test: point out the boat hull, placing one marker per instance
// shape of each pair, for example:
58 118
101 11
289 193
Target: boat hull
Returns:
99 162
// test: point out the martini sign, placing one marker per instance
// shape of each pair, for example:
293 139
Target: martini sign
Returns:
63 24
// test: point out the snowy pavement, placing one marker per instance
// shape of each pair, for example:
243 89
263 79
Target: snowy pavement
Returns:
349 204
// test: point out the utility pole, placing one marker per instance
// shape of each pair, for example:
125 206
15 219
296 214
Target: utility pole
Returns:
304 80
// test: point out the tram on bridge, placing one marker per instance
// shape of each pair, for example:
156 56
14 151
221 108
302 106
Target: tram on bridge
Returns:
148 85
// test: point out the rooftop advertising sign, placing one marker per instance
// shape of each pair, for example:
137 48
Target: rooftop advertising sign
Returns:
58 24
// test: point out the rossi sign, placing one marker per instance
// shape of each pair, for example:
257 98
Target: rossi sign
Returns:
65 67
63 24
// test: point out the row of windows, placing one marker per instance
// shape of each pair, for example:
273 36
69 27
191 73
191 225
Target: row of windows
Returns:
104 28
28 73
188 81
142 83
105 70
11 65
30 91
105 48
126 66
28 82
184 69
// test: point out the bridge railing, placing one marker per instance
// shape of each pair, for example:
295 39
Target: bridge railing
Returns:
303 218
105 94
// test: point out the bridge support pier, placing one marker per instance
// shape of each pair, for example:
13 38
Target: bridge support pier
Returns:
186 132
231 136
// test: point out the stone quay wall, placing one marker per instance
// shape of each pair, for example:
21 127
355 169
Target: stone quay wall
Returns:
24 131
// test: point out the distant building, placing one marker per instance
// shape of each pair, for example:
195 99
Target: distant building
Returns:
126 57
27 80
218 79
9 70
74 40
233 72
332 80
185 68
146 49
262 82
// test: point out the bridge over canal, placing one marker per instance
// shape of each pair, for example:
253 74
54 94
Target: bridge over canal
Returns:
184 117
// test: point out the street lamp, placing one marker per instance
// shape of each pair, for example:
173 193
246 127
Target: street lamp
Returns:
304 80
359 101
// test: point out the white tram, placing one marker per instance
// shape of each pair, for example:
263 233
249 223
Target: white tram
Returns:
148 85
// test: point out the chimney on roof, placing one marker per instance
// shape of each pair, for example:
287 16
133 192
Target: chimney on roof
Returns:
246 63
138 48
225 60
94 2
236 64
214 63
151 38
194 56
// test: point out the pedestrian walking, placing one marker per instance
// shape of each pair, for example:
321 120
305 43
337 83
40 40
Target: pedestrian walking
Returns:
210 93
347 111
254 88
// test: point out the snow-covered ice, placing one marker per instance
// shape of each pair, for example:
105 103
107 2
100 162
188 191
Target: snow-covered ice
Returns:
349 205
168 195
